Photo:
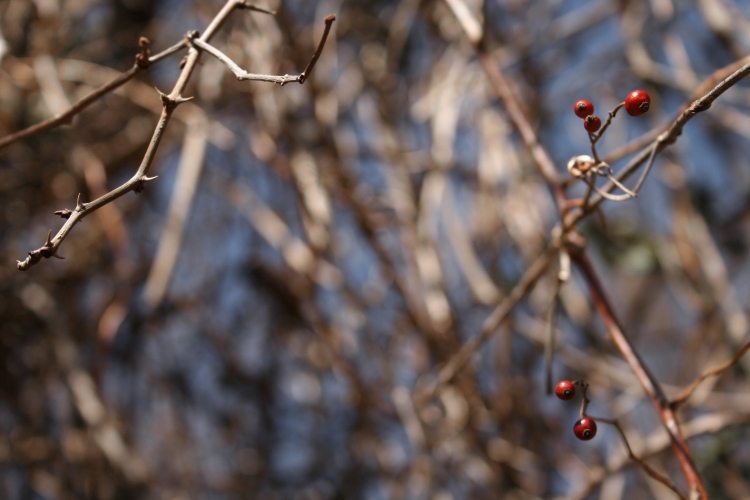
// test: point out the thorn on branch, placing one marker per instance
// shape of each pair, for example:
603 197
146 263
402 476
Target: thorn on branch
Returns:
140 186
47 250
80 206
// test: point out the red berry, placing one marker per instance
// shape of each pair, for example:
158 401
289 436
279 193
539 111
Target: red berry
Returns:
585 429
583 108
565 390
637 102
592 123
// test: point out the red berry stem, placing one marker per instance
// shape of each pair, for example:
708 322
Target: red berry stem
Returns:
584 398
595 137
585 430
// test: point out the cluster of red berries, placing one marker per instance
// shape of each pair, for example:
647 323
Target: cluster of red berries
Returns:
585 428
637 103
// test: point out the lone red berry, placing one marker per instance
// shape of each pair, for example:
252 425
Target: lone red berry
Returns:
592 123
583 108
585 429
565 390
637 102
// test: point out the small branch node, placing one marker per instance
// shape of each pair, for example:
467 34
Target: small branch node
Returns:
64 213
142 60
190 36
180 99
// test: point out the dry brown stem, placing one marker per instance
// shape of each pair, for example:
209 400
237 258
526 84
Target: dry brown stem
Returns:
614 422
547 169
649 383
716 370
241 74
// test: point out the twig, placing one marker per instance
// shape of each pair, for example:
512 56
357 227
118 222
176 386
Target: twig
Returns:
143 61
613 421
186 183
549 345
668 137
136 183
595 137
647 380
716 370
650 164
645 465
241 74
658 442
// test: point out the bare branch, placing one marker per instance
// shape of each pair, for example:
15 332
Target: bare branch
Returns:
716 370
647 380
142 62
241 74
169 104
668 137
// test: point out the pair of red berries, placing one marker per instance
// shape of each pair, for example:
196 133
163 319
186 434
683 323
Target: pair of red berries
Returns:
585 428
637 103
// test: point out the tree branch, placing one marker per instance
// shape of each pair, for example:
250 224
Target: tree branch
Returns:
716 370
169 104
143 61
241 74
647 380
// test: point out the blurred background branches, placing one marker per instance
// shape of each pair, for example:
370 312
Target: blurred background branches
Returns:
255 322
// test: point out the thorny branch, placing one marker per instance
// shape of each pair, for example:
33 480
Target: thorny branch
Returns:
244 75
169 104
143 61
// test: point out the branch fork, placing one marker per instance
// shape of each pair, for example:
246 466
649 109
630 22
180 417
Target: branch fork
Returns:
169 102
192 39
